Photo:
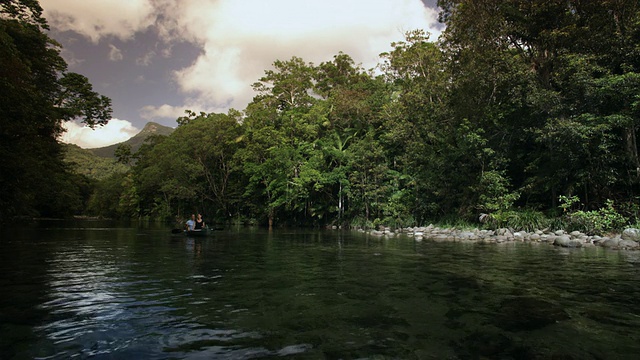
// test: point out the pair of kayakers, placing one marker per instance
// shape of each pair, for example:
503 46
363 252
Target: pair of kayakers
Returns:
195 223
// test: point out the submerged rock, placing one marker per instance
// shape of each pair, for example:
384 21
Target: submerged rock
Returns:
528 313
484 344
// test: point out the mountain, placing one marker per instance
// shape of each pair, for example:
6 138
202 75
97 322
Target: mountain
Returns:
151 128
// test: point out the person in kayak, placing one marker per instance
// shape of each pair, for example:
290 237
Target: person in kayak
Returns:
191 223
199 223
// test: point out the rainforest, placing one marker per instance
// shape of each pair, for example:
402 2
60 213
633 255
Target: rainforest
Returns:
522 111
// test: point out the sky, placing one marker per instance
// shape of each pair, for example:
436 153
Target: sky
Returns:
157 58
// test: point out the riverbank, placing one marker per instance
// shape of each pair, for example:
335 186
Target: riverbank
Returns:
629 239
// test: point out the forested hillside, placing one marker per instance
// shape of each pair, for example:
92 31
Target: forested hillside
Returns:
519 104
86 163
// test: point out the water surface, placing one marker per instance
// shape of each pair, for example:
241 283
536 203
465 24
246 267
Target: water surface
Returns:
104 290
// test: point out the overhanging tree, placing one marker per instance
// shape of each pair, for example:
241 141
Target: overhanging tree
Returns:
36 95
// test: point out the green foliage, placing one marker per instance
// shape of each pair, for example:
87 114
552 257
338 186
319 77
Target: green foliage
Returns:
105 199
454 221
78 100
494 192
84 162
129 201
500 118
36 95
601 221
568 202
191 167
123 154
397 213
516 103
360 222
527 220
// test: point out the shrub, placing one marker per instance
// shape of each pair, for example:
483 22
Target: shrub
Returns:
494 194
361 222
598 222
527 220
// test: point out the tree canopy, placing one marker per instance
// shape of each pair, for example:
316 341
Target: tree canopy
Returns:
36 95
516 105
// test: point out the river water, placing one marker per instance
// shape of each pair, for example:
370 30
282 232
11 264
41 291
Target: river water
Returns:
106 291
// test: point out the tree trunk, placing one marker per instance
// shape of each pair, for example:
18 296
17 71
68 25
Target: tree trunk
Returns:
632 152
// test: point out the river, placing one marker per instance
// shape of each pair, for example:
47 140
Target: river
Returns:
102 290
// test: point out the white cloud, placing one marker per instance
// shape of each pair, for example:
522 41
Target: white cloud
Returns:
151 112
240 39
114 132
99 18
115 54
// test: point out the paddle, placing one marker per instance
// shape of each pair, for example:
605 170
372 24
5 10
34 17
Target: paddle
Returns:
176 231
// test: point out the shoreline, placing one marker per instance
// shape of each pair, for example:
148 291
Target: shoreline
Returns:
629 239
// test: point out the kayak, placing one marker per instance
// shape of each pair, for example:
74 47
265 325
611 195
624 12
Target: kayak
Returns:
199 232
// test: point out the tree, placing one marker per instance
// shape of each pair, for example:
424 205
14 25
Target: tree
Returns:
36 96
418 129
281 129
193 169
123 154
551 85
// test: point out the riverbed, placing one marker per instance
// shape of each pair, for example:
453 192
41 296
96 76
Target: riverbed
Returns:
130 291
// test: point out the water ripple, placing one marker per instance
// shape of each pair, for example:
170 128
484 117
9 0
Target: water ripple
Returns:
110 293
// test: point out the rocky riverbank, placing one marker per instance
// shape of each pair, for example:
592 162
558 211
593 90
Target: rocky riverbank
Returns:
629 239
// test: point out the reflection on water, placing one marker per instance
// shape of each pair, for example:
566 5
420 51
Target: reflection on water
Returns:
91 289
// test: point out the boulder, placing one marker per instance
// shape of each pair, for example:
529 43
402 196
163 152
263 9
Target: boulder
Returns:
562 240
632 234
575 243
467 235
628 244
501 239
489 232
610 243
548 238
440 237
